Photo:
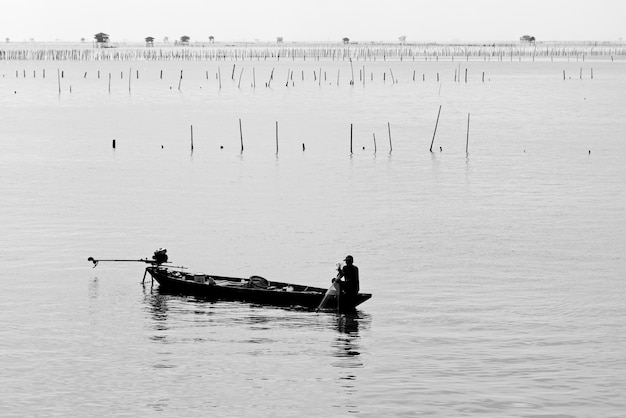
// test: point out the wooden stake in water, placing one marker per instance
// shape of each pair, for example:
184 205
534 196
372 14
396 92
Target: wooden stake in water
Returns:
374 135
467 137
241 135
352 71
435 132
109 83
59 79
350 138
180 80
389 131
191 138
219 77
130 73
240 74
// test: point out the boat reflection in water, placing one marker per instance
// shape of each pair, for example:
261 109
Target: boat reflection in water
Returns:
252 347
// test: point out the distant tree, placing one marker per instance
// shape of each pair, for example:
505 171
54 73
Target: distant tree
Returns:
279 40
82 40
184 40
212 39
7 40
166 39
402 39
346 40
32 39
527 38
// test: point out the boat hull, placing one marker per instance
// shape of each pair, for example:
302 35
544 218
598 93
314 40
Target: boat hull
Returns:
247 290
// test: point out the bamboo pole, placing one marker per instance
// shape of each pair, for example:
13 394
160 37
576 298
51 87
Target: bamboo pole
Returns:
241 135
467 137
350 139
352 71
435 132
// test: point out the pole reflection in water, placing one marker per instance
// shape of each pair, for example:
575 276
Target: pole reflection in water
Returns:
93 288
347 342
156 304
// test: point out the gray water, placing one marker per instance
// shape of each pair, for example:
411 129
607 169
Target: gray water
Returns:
497 276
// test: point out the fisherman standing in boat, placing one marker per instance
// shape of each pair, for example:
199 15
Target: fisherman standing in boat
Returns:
348 277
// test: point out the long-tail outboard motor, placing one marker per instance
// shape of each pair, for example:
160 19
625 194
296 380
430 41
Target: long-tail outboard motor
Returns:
160 256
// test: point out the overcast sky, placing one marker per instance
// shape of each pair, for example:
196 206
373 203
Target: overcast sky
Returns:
314 20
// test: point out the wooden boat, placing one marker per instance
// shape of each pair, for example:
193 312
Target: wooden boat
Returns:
254 289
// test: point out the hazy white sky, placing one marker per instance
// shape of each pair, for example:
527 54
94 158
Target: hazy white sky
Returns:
313 20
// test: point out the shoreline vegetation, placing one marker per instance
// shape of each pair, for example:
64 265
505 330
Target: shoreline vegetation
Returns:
495 51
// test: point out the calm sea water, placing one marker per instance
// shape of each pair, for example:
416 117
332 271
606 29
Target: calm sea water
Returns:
498 276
